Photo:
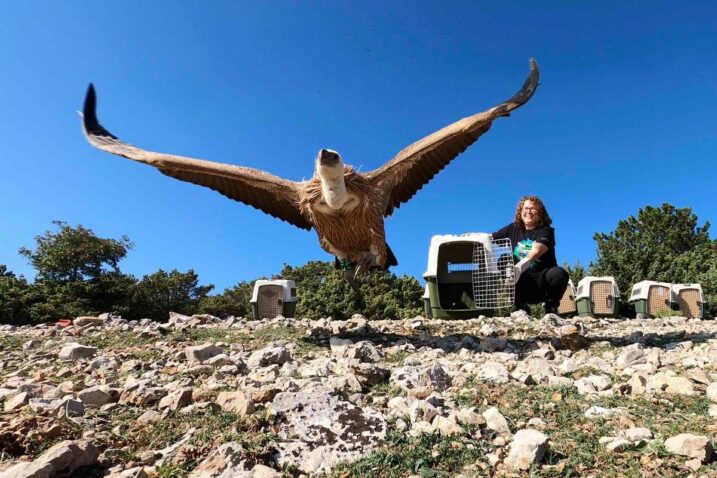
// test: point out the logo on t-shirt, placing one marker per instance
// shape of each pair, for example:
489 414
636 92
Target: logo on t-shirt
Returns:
523 248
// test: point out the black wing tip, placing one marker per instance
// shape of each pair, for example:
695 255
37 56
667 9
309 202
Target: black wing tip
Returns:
89 110
89 115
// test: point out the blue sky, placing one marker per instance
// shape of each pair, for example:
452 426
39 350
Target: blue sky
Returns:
624 117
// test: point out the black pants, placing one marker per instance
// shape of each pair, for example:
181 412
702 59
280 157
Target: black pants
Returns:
545 286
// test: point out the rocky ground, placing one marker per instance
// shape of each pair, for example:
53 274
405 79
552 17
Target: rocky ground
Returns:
512 396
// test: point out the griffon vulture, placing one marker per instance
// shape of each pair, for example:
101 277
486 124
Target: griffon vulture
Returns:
347 208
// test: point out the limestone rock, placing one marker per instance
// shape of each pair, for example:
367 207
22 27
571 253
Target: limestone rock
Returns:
83 321
236 402
319 429
75 351
62 459
494 420
176 399
224 462
202 353
268 356
693 446
528 447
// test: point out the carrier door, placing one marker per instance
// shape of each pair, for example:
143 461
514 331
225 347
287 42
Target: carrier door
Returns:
567 302
690 303
270 301
658 298
601 295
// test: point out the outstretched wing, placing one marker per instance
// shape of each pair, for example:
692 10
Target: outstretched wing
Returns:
415 165
271 194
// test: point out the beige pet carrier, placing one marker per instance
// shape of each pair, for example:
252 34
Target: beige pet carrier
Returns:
274 297
468 273
597 296
567 302
690 300
652 298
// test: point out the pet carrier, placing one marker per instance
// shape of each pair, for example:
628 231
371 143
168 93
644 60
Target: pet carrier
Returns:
597 296
690 299
274 297
467 273
652 298
567 302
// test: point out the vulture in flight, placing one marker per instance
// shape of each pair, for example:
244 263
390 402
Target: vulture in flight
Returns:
346 207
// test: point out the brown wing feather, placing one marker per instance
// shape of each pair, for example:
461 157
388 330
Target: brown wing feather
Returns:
416 165
268 193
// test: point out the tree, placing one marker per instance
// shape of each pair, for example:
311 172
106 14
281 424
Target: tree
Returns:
324 293
576 272
16 298
233 301
75 253
77 274
661 244
159 293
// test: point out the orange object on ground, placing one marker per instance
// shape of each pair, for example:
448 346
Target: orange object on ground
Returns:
64 322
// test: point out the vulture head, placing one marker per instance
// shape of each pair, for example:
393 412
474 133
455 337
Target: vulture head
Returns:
330 171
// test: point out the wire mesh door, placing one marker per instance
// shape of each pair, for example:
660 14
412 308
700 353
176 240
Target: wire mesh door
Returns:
601 295
689 301
567 302
493 275
271 301
658 298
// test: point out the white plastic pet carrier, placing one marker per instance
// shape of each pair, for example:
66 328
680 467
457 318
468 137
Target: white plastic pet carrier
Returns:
274 297
468 272
690 299
597 296
651 297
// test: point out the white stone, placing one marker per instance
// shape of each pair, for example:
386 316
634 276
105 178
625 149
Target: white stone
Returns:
94 396
712 392
527 448
495 421
338 345
693 446
201 353
602 412
446 427
619 445
236 402
76 351
493 372
636 434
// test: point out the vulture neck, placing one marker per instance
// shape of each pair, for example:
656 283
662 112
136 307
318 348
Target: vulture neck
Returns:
333 186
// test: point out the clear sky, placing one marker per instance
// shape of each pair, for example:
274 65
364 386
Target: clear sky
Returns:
625 116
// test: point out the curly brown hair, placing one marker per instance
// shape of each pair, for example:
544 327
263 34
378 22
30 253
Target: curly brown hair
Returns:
543 217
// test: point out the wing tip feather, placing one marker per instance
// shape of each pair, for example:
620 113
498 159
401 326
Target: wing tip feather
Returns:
91 124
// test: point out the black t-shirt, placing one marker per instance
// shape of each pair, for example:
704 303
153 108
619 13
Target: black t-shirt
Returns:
522 243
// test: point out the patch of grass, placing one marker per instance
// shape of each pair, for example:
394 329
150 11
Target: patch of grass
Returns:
386 388
574 437
585 372
256 340
665 312
397 358
116 340
12 343
172 471
537 311
428 455
200 336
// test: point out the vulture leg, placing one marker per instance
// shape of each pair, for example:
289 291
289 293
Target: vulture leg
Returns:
350 277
